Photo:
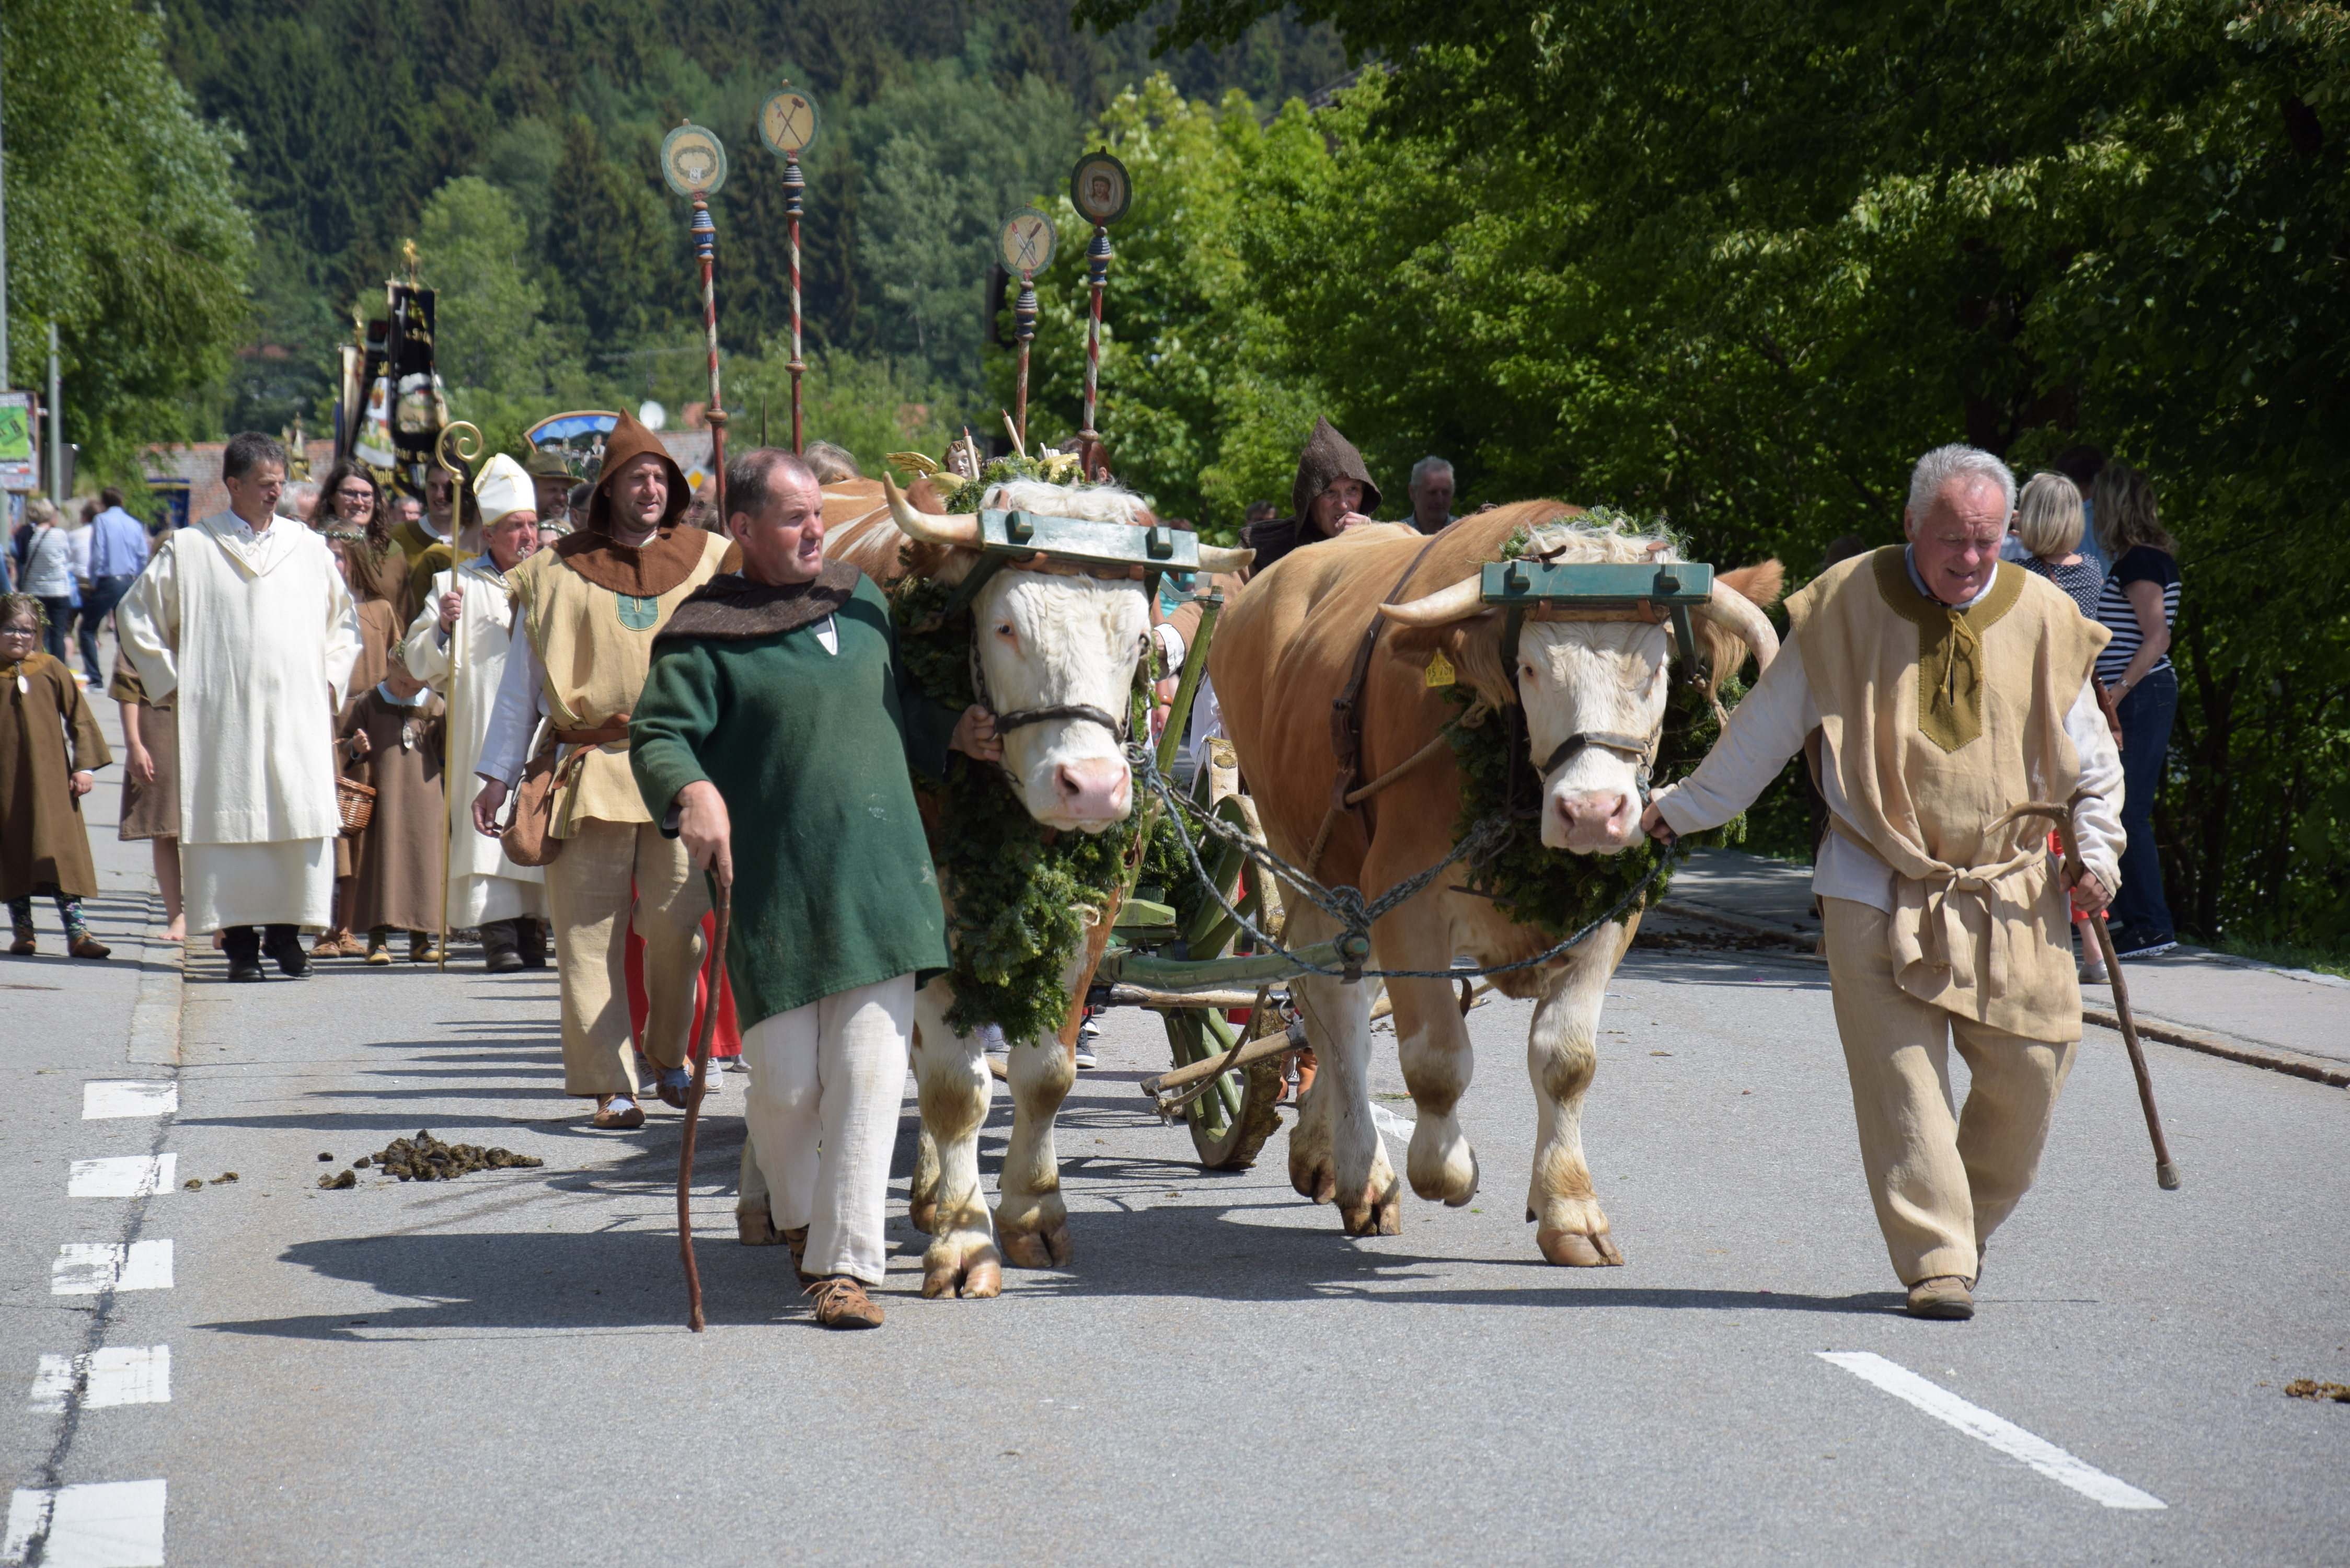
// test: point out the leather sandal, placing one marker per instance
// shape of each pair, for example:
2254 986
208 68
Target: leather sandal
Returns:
607 1120
88 947
25 946
674 1085
1944 1296
842 1303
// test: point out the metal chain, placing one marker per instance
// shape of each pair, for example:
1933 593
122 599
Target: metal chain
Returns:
1346 904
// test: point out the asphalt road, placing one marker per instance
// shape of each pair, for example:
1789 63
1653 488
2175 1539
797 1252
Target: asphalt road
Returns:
495 1371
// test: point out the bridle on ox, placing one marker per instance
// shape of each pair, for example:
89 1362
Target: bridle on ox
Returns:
1020 718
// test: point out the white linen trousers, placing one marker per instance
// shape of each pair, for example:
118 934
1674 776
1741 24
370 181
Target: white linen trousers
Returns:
828 1084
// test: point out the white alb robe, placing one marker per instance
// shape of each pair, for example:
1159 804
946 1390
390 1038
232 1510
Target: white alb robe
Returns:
253 636
484 884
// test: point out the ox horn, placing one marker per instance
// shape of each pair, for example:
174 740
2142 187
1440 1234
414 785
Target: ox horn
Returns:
1739 614
1459 602
1216 558
961 530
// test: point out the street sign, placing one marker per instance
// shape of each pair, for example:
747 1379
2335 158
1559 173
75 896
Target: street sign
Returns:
1100 188
20 463
1025 243
787 122
693 160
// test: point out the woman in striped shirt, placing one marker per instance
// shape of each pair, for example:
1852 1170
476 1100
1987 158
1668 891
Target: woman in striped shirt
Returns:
2139 603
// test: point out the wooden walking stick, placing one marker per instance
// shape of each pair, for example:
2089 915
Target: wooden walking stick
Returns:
722 897
2166 1173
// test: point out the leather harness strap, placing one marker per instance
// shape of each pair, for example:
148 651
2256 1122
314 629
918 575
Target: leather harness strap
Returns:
1345 709
615 728
1005 723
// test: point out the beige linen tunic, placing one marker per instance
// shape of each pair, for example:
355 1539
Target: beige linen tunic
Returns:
484 884
252 640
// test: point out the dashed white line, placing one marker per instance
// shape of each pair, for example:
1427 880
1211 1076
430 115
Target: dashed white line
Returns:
90 1268
1978 1423
108 1524
117 1375
128 1097
127 1176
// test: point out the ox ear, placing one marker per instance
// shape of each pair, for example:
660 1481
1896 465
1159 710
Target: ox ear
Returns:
1471 645
1725 651
924 495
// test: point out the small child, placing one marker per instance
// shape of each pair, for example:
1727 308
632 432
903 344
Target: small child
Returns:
44 847
396 728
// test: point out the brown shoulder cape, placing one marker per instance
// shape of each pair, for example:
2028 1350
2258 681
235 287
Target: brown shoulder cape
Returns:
733 609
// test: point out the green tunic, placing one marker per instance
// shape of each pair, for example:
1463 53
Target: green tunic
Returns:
832 882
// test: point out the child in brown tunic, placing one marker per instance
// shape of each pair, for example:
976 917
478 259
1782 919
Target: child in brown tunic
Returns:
50 746
394 729
151 786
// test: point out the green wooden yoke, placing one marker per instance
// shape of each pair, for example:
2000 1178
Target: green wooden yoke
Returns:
1672 587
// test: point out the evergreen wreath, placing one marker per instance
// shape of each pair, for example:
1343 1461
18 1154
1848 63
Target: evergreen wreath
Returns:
1019 892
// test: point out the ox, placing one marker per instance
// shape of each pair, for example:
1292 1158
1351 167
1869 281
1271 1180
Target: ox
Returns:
1286 651
1049 640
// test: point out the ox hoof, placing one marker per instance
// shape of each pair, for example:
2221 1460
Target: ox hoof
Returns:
1050 1248
755 1228
1374 1216
1576 1250
922 1213
970 1272
1316 1182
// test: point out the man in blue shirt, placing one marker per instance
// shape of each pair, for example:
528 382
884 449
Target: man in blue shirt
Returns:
118 553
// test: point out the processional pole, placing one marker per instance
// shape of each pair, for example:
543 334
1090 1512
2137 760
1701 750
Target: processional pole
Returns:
1025 245
1099 188
787 122
454 449
694 163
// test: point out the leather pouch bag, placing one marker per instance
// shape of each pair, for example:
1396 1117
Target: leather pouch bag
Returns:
528 839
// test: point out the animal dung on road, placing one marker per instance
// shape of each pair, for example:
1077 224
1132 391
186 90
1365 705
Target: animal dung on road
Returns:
426 1158
2310 1388
338 1183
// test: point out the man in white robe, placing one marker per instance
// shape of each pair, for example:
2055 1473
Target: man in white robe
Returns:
244 622
458 646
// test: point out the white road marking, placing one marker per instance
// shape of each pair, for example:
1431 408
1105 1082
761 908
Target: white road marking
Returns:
110 1524
1388 1122
89 1268
127 1098
130 1176
117 1375
2005 1436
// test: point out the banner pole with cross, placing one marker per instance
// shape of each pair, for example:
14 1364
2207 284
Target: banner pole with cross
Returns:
693 161
787 123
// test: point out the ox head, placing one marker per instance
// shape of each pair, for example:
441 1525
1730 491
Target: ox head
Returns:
1051 643
1603 679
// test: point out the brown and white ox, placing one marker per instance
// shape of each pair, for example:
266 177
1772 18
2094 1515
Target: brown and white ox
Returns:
1047 637
1284 652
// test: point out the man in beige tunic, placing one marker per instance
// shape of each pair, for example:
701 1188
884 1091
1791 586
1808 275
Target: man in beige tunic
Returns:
587 611
1933 689
243 623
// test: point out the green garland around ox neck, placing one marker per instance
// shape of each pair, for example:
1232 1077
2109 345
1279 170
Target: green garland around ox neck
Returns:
1018 893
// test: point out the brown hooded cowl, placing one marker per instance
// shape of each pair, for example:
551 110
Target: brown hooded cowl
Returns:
1328 456
646 571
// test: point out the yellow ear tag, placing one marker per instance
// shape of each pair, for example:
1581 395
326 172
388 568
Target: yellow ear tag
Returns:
1440 671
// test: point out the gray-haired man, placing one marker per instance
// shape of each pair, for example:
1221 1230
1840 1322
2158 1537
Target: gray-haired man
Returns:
1432 494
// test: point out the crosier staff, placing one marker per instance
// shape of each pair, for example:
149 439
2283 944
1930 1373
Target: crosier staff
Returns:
458 445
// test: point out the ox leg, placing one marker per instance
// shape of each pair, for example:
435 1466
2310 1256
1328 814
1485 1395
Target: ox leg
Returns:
1433 1039
1030 1218
1335 1153
953 1087
1562 1053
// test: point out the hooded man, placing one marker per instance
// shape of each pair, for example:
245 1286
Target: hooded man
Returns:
1332 493
588 609
458 645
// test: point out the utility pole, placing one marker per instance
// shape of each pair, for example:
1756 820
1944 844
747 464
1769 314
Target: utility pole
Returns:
57 426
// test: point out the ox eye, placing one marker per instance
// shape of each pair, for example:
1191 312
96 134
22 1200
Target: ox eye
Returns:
1004 629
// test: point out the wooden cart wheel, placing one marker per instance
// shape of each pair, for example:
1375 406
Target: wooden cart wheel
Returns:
1230 1120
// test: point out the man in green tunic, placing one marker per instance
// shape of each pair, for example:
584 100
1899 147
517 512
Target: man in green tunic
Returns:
777 696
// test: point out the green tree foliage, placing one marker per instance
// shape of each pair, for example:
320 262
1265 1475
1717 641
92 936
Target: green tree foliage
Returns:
123 228
872 406
1744 262
605 236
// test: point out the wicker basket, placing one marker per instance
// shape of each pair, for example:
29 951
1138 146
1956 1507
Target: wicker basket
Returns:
356 803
